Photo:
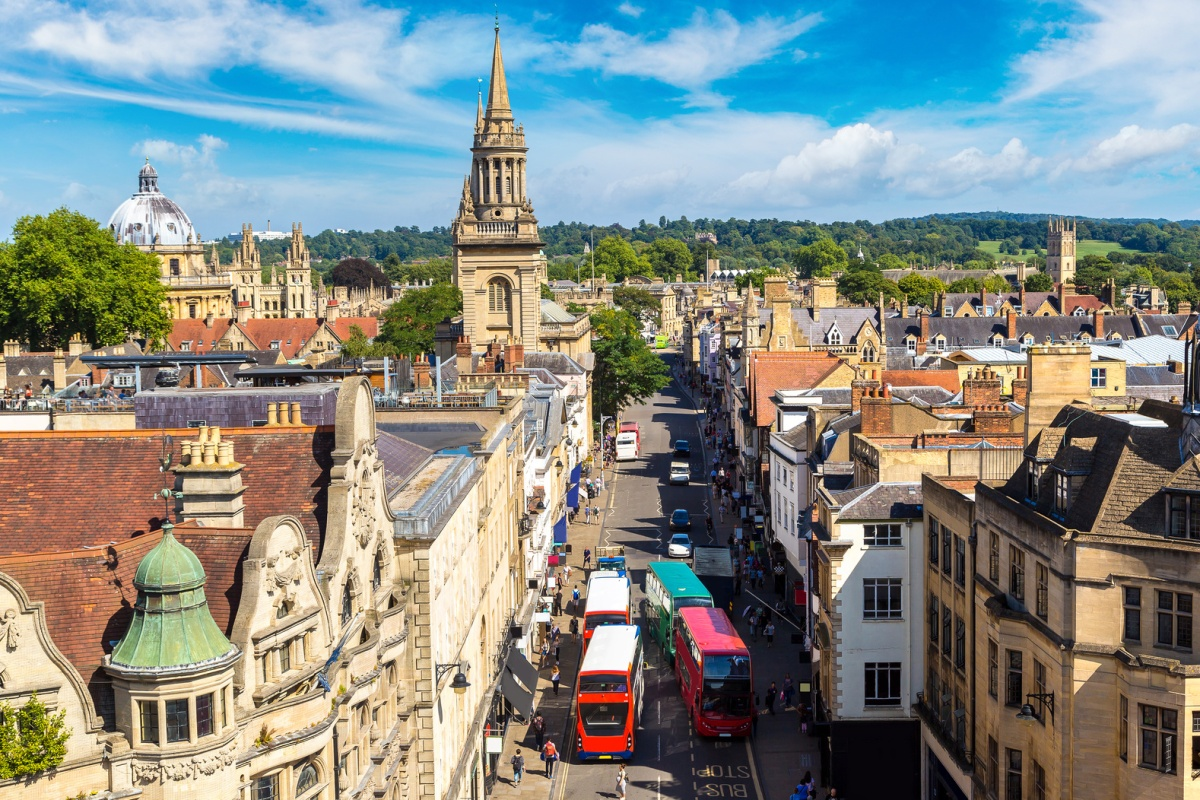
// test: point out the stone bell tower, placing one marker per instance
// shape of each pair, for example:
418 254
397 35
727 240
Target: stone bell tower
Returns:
498 263
1060 250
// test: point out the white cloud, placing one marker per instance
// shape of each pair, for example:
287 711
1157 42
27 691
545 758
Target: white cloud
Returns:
710 47
630 10
198 183
1133 146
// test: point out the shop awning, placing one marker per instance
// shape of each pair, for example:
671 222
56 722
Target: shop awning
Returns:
573 492
518 671
560 530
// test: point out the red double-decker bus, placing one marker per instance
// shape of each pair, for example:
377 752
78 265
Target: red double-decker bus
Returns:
608 694
712 666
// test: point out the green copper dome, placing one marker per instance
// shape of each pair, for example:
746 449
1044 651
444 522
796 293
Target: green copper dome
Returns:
172 626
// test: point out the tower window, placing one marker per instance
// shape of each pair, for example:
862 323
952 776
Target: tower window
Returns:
204 715
177 720
499 296
148 719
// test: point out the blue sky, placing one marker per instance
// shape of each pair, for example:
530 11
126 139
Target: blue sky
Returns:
355 114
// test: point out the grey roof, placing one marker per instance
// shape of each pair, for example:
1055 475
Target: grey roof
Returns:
557 363
848 321
884 501
797 437
401 459
1152 376
1154 323
232 408
933 395
435 435
553 312
963 332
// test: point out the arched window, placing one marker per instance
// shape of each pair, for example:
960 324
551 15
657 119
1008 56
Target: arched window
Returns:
499 296
307 779
347 604
868 352
377 573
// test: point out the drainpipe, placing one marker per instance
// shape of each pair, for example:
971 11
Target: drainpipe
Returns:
337 764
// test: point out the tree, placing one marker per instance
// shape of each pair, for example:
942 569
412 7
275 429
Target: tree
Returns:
996 284
1039 282
964 286
32 740
756 277
891 261
358 273
639 302
670 257
626 371
617 259
819 259
862 286
393 268
410 323
64 275
545 292
920 289
358 346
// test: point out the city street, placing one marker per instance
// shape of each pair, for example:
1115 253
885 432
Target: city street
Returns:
670 761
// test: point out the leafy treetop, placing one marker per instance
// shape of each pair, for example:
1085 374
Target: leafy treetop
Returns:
410 323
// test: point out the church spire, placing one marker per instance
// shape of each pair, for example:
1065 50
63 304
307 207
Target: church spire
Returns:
479 110
498 107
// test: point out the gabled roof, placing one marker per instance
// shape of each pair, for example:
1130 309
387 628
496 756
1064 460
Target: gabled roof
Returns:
342 325
848 320
203 338
784 370
1149 324
291 333
883 501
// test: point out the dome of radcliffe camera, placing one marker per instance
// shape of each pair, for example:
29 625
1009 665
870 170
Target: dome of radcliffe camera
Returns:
151 218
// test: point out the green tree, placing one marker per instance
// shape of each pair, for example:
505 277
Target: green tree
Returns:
964 286
63 274
670 257
393 268
920 289
32 740
358 273
819 259
576 309
756 277
617 259
626 371
891 261
545 292
639 302
862 286
410 323
1039 282
996 284
358 346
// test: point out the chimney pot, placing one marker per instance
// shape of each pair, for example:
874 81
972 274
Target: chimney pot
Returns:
296 414
272 415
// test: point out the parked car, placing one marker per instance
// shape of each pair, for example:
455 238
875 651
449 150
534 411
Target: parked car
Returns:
682 449
681 520
680 546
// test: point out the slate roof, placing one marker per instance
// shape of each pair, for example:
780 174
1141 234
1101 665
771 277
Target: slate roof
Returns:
89 594
435 436
1132 457
1150 324
964 332
796 438
557 363
553 312
946 378
848 320
67 490
883 501
1152 376
401 458
231 407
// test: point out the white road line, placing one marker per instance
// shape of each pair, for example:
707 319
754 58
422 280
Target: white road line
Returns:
767 604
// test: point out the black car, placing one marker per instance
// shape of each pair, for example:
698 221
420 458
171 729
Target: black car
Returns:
682 448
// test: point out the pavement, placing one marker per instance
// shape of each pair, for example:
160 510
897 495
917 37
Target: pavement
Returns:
670 761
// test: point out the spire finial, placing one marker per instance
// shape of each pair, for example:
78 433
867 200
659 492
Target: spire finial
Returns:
497 7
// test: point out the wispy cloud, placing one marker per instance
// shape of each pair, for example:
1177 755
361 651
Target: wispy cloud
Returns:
1136 146
630 10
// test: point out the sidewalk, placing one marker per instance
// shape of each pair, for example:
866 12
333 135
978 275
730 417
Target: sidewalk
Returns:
555 709
782 754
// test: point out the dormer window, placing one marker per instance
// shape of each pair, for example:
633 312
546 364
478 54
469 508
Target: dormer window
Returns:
834 336
1079 311
997 340
1033 476
1063 493
1027 341
910 345
939 343
948 310
1183 515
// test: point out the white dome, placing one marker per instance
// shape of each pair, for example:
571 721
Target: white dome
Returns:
150 217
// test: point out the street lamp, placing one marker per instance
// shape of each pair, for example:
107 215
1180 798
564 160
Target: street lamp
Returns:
1027 714
459 683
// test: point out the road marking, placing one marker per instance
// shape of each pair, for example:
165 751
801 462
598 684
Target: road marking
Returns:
767 604
753 772
658 787
659 758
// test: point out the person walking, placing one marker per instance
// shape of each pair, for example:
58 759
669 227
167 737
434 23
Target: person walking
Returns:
596 513
587 558
558 602
556 676
769 632
550 755
622 782
539 729
545 653
518 765
789 690
772 693
587 515
575 601
574 628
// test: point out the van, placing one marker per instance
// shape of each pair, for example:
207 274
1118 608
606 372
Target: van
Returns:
681 473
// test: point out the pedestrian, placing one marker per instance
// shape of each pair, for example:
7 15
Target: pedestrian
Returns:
575 599
587 515
737 585
567 574
771 693
574 628
808 782
622 782
539 729
833 793
708 521
545 652
555 634
596 513
798 794
549 755
556 677
558 602
587 557
789 690
518 765
769 632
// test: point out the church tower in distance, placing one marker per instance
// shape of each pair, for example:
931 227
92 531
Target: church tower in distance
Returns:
498 263
1060 250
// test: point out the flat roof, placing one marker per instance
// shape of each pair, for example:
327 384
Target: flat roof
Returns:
612 649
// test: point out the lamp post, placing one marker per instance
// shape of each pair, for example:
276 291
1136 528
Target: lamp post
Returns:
459 683
1027 714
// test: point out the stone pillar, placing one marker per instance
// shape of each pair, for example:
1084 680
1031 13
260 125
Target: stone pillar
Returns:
504 182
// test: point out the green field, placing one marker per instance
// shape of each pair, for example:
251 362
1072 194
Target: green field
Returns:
1086 247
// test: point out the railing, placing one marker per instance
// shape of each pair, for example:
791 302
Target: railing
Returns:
66 405
218 279
496 228
965 759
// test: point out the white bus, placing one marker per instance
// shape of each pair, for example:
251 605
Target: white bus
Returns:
627 446
607 604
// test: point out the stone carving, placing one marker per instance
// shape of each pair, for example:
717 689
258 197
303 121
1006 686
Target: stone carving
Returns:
195 767
10 632
364 512
145 773
283 573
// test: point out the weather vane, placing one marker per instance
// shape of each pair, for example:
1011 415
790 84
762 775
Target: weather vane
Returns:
167 493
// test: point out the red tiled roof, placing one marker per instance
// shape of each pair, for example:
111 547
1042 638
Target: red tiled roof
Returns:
89 594
70 489
1088 302
202 337
292 334
341 326
945 378
791 370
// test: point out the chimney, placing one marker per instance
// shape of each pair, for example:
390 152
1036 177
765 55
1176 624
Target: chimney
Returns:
1185 307
333 311
982 299
1058 376
421 379
514 356
992 418
272 415
75 346
462 349
12 348
208 321
904 307
876 418
859 389
285 415
60 370
296 414
1097 325
1110 291
679 277
923 337
982 389
1020 387
1010 319
211 481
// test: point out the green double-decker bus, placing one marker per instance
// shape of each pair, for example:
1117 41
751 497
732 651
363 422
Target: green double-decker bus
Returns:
670 586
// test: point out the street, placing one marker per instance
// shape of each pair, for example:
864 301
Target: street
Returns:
670 762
